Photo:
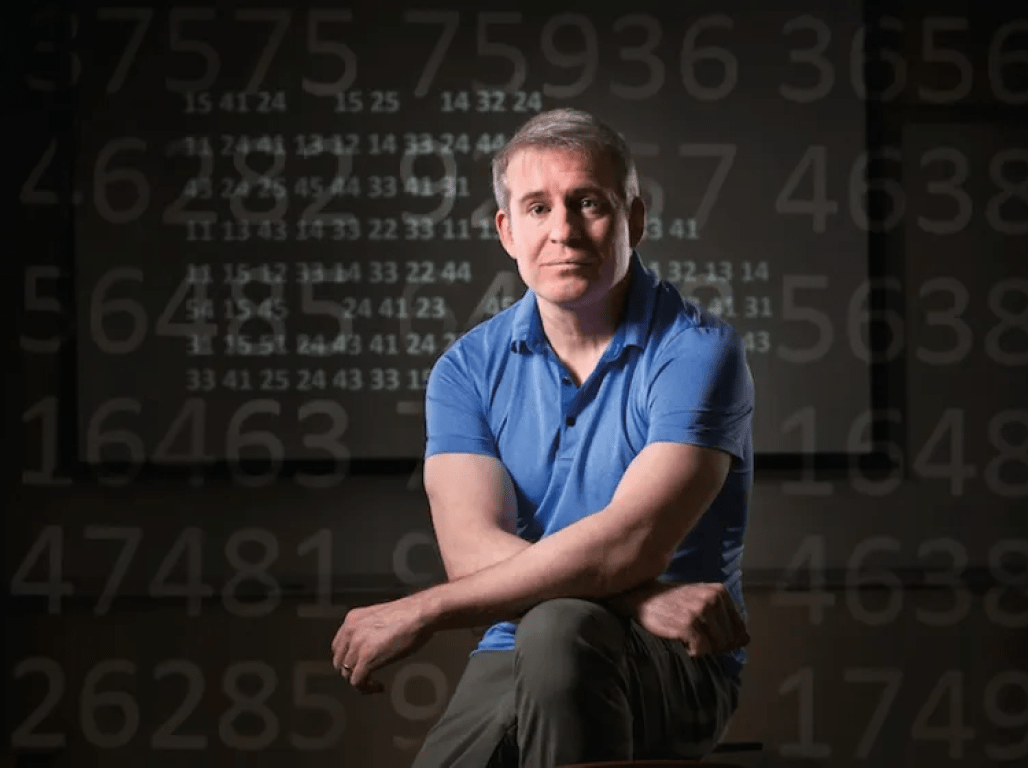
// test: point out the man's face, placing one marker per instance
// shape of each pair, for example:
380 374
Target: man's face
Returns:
567 229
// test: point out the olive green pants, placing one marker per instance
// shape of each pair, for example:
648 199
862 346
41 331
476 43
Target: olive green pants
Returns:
582 684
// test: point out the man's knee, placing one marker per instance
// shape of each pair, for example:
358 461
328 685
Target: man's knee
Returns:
569 659
557 636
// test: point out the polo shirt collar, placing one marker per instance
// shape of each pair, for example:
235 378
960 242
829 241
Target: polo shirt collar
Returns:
527 325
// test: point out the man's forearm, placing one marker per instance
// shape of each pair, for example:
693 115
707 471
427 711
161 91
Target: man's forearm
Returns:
584 560
498 546
493 546
627 603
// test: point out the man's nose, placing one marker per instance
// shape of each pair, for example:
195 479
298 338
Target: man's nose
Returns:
565 224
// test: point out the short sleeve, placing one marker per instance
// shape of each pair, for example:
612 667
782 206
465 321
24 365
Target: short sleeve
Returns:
455 419
702 393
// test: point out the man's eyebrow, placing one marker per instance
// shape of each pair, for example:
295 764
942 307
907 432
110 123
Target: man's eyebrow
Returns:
579 191
530 195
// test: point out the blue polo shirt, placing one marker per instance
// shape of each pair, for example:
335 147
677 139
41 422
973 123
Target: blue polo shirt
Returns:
672 373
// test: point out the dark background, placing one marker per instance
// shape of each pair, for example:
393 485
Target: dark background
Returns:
165 617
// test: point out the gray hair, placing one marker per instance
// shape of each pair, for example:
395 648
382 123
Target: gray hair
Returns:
570 129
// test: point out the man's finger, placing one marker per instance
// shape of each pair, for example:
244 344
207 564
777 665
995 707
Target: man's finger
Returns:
340 644
697 643
738 625
359 676
338 655
735 629
717 626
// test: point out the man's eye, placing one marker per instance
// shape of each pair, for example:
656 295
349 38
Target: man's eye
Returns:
536 209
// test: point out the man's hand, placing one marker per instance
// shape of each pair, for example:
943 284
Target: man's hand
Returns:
373 636
703 616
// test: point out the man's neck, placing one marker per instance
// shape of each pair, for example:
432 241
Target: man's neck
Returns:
585 332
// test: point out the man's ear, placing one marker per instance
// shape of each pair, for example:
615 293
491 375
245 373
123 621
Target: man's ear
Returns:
504 230
636 221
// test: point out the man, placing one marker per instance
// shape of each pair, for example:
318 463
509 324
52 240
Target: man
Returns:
588 465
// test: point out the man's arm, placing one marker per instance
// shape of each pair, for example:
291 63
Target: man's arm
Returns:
474 508
631 541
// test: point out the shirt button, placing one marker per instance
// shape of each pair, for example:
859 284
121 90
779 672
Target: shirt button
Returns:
566 380
570 421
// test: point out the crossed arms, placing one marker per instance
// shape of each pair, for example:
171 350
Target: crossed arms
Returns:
615 553
495 575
